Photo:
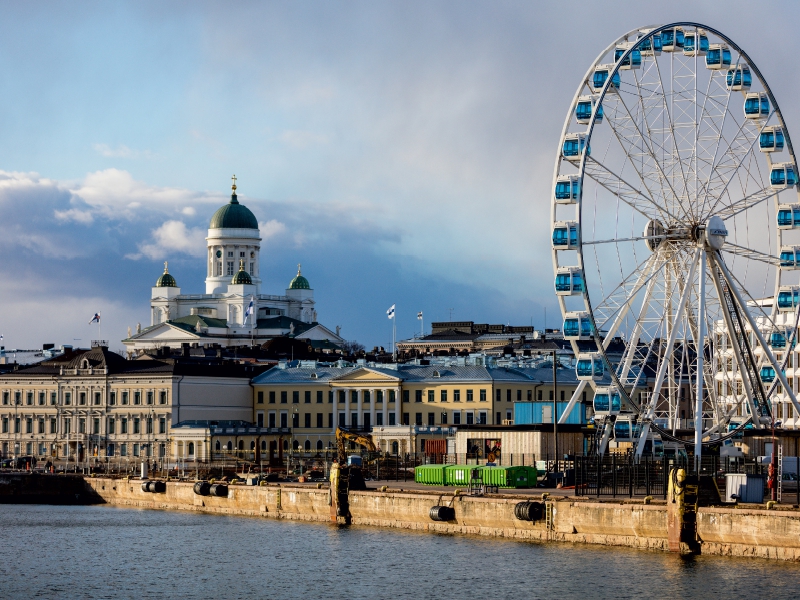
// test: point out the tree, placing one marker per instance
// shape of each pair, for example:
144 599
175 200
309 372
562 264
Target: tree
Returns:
352 347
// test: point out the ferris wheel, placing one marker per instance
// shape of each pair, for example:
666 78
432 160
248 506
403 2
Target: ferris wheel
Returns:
676 241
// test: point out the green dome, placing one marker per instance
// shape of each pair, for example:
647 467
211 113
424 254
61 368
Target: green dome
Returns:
166 280
242 277
233 216
299 282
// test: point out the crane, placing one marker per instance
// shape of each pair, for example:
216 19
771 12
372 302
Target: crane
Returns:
345 477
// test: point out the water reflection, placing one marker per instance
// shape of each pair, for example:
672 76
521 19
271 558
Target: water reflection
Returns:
103 552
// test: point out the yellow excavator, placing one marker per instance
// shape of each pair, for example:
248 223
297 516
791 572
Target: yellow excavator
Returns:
345 476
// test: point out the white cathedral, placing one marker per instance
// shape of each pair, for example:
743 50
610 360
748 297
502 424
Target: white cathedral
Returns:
220 316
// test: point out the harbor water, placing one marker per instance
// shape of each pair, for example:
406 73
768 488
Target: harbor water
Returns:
103 552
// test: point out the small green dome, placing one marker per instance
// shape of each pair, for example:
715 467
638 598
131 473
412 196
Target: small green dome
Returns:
233 215
299 282
166 280
242 277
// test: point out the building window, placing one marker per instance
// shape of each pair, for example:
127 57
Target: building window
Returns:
418 418
284 419
431 418
330 396
137 397
96 426
406 395
530 395
498 396
272 397
379 397
456 417
295 420
230 268
136 449
443 395
319 397
53 398
97 398
538 394
470 418
5 424
162 425
41 425
284 397
81 425
431 396
483 396
162 397
66 425
5 398
41 399
562 395
482 417
149 397
149 425
519 395
110 450
307 420
123 449
82 398
330 420
252 268
29 425
456 395
111 425
53 425
393 419
123 425
29 398
444 418
112 398
469 396
307 397
17 398
354 396
551 394
260 398
296 397
508 396
241 254
260 419
366 396
319 420
272 419
124 398
418 396
136 425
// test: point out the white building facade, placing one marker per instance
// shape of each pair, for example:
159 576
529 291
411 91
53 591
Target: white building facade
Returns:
224 315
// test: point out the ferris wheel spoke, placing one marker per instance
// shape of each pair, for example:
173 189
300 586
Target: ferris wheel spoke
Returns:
752 254
633 197
746 203
648 151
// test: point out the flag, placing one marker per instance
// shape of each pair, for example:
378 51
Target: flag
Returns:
419 315
249 310
390 312
95 318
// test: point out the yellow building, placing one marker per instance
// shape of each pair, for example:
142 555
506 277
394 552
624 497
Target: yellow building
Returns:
395 402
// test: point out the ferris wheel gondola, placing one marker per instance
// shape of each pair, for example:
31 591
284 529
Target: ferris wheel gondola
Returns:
684 236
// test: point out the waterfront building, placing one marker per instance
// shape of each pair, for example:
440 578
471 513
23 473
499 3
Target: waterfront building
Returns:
401 404
215 440
223 315
95 404
467 336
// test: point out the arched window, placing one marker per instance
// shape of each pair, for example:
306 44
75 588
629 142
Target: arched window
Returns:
217 447
263 445
252 445
191 448
308 445
285 444
295 444
394 447
319 444
241 444
230 446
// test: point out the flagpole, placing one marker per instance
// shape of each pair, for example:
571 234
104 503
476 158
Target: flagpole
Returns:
394 336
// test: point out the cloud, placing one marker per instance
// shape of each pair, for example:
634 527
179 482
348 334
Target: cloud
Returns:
173 236
300 140
271 229
120 151
74 214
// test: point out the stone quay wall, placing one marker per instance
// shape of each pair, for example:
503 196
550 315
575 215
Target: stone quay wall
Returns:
734 531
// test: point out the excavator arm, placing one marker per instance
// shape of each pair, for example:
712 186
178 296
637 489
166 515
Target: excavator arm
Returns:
343 436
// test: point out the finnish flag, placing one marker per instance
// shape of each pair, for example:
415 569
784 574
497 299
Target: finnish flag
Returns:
419 315
95 318
390 312
249 310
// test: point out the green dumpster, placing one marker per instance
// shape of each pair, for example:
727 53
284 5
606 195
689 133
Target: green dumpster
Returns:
429 474
458 474
509 477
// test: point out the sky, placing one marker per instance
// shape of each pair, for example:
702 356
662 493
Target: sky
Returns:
401 151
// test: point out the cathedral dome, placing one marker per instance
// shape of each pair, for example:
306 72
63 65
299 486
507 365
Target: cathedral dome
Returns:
299 282
242 277
233 215
166 280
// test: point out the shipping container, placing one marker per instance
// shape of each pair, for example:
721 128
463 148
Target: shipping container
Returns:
509 477
429 474
435 447
533 413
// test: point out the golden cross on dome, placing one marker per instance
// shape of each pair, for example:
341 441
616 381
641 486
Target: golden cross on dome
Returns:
165 267
298 268
233 187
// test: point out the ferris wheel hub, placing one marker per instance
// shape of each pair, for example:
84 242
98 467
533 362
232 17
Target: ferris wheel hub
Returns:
715 233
